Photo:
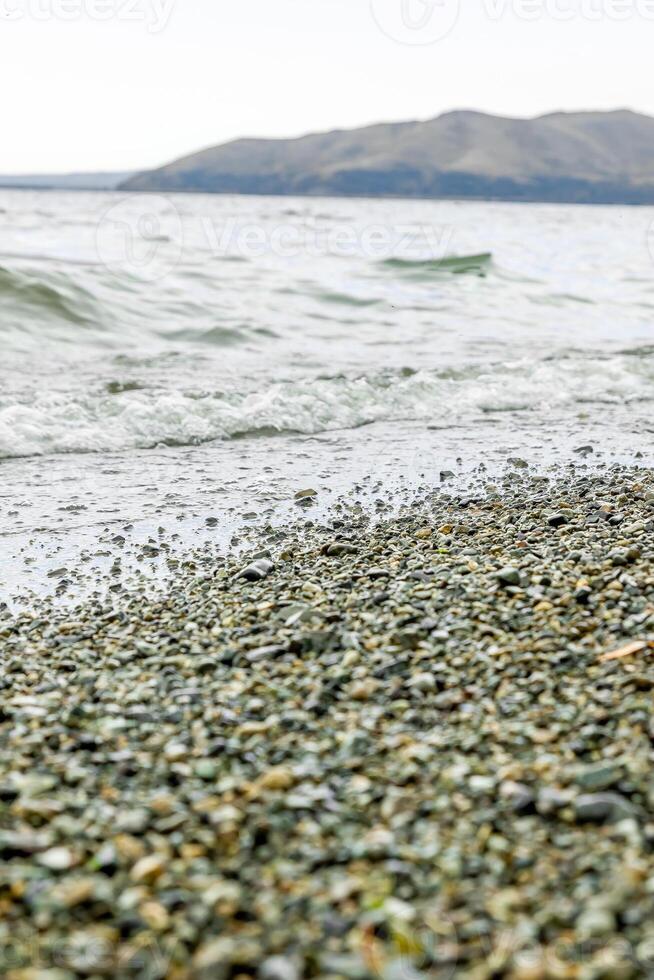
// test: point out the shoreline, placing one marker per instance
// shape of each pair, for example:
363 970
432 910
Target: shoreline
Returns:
395 744
60 515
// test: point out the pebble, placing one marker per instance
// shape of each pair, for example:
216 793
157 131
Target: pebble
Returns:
58 859
256 571
278 778
279 968
599 775
306 496
508 576
148 869
595 922
599 807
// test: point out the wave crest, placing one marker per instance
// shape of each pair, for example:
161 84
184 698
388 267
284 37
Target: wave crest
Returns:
61 298
449 264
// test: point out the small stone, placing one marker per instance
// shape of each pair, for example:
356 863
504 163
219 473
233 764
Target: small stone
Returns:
520 797
72 892
206 769
148 870
363 690
257 571
134 821
423 682
278 778
558 520
155 915
176 752
58 859
270 652
305 495
595 922
479 785
619 557
217 958
295 613
339 549
599 775
601 807
279 968
508 576
212 958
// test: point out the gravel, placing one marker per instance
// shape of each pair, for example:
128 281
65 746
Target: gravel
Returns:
398 749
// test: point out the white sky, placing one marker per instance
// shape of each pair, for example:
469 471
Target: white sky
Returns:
80 93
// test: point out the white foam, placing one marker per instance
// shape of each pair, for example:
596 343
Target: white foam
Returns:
92 422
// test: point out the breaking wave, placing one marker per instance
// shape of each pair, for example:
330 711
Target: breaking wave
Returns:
131 417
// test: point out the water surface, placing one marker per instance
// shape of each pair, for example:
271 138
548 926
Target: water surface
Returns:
196 353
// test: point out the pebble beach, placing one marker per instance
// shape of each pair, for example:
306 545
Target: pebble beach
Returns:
379 742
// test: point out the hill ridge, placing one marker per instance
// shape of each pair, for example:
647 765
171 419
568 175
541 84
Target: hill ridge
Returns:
588 156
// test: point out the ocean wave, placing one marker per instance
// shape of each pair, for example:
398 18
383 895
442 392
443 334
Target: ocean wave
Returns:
46 295
132 418
449 264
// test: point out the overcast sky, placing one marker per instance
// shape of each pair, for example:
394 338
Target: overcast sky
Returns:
127 84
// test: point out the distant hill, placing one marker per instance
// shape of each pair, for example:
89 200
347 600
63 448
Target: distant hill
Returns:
69 182
586 157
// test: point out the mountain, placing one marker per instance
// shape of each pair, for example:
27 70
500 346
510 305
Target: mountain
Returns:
587 157
66 182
